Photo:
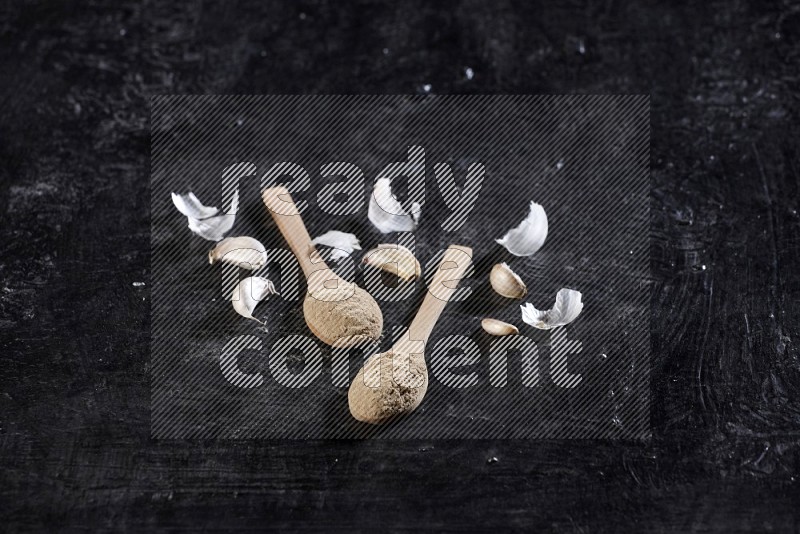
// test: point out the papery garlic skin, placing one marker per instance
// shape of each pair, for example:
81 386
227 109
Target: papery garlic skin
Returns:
242 251
386 213
566 309
506 282
248 293
211 228
189 205
342 243
416 211
395 259
529 236
498 328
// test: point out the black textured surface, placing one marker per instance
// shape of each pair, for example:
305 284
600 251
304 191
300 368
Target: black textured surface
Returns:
74 144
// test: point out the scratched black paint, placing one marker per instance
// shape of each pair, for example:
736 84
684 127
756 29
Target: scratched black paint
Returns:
74 409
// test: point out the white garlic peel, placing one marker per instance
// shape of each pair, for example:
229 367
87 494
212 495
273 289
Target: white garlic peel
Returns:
566 309
343 244
191 206
506 282
529 236
242 251
395 259
203 220
386 213
249 293
498 328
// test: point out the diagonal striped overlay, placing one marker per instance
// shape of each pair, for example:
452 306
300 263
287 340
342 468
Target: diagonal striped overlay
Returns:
585 158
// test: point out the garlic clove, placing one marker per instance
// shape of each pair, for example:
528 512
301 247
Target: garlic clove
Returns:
241 251
566 309
498 328
529 236
343 244
386 213
191 206
249 293
506 282
395 259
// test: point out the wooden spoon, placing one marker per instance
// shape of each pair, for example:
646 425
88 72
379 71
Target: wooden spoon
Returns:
396 381
336 311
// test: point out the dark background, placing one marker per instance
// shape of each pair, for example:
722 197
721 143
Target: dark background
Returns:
74 235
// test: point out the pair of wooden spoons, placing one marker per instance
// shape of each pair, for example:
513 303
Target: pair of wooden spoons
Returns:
342 314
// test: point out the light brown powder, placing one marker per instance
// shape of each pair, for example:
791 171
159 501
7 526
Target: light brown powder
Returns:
389 384
343 315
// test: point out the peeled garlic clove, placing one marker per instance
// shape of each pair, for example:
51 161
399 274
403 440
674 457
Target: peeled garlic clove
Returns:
529 236
343 244
566 309
506 282
386 213
191 206
395 259
498 328
249 293
241 251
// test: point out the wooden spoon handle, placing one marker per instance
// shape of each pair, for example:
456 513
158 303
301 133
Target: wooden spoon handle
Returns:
451 270
290 223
